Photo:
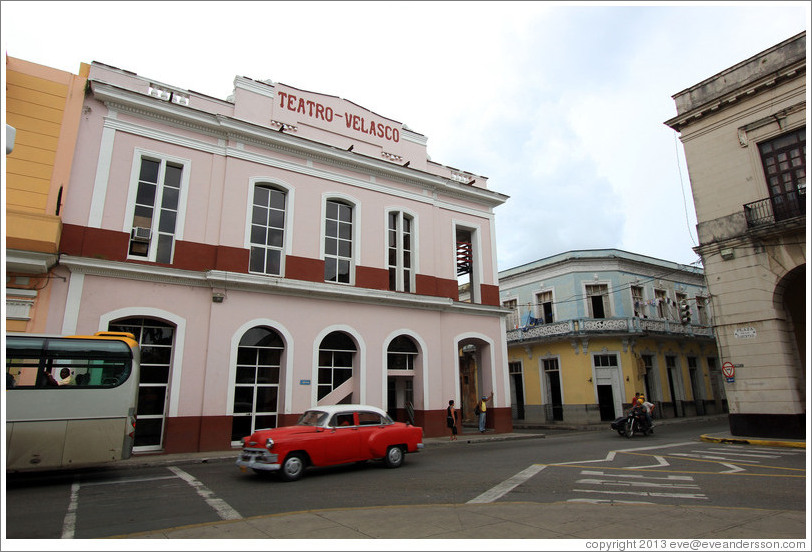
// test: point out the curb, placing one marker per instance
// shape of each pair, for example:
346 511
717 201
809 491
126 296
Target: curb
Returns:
749 441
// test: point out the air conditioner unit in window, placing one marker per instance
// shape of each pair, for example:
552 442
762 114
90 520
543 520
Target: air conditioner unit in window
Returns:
140 234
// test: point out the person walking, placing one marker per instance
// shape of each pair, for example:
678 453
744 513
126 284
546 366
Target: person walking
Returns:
451 419
481 409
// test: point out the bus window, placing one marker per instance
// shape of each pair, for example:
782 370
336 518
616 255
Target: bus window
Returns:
67 363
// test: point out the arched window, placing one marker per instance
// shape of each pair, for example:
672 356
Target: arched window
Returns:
256 385
401 353
336 354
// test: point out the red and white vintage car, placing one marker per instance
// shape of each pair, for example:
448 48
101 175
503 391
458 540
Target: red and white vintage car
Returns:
330 435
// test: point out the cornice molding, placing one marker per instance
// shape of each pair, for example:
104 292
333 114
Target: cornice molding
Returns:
225 127
795 71
232 281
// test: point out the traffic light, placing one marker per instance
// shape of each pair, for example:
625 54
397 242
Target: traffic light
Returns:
684 312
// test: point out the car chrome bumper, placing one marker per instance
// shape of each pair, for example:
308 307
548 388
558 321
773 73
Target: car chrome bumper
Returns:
258 459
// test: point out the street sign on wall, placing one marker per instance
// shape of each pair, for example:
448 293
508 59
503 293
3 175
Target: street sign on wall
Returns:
729 371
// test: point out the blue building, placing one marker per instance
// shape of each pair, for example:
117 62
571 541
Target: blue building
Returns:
590 328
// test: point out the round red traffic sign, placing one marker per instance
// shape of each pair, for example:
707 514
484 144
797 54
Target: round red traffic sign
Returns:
728 369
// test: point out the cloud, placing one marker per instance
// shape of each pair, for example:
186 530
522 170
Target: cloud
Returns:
562 106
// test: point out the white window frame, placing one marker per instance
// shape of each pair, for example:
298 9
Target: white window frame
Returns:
286 237
476 275
138 155
399 266
539 306
356 232
608 307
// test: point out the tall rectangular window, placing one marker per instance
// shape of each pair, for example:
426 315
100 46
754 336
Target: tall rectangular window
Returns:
597 300
267 230
638 305
544 306
399 251
701 310
784 161
338 242
514 318
662 303
155 213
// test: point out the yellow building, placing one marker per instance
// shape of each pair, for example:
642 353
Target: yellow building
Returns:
44 106
591 328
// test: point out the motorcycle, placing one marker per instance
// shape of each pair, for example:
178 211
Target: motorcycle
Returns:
634 422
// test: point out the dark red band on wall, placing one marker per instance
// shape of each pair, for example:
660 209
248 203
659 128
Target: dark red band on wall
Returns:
490 294
371 278
302 268
98 243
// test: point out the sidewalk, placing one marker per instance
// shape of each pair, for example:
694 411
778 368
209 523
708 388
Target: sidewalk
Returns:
602 519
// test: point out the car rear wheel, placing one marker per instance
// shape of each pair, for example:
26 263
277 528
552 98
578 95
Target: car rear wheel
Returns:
394 457
293 467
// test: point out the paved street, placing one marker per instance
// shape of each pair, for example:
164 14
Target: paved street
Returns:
565 485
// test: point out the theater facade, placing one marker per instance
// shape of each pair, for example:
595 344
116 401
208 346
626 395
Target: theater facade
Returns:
272 251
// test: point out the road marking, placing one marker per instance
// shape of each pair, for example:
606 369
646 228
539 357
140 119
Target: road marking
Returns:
610 483
500 490
610 501
129 480
639 476
742 463
223 509
661 462
611 456
689 455
733 468
693 496
69 523
728 453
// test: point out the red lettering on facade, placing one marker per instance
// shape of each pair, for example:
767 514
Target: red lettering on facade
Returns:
316 110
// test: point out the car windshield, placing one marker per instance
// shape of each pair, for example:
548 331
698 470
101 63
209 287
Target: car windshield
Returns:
312 418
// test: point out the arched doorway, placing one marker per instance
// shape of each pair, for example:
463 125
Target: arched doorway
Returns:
401 357
790 295
256 382
475 376
337 352
157 339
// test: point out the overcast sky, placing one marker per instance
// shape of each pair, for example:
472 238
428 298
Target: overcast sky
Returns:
560 105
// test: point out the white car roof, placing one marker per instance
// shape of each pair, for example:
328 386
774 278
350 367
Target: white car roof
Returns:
333 408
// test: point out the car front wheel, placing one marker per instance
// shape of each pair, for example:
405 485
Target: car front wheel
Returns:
394 457
292 468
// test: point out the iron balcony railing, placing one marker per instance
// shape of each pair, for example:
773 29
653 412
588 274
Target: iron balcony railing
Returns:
775 209
607 326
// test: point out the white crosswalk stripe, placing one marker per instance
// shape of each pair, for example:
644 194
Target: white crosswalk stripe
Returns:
639 485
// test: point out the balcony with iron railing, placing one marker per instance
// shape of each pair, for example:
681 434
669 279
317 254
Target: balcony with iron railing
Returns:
772 210
585 327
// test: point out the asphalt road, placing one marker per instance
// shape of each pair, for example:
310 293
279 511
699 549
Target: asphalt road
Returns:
670 467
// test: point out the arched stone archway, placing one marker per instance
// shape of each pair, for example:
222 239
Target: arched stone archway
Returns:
790 296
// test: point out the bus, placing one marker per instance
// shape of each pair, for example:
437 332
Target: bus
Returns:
70 400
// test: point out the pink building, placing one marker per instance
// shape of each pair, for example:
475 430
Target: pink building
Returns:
273 251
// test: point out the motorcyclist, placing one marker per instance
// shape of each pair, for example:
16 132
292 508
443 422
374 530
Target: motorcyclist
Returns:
648 408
